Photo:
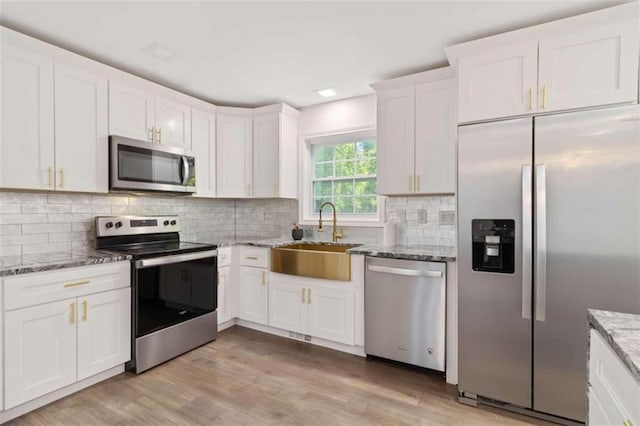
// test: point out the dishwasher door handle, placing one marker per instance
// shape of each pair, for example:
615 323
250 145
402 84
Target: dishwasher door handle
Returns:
405 272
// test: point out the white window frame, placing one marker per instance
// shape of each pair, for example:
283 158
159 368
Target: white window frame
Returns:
308 217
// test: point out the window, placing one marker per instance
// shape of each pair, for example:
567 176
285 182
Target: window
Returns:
342 169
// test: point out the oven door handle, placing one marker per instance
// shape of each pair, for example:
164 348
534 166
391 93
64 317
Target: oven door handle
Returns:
176 258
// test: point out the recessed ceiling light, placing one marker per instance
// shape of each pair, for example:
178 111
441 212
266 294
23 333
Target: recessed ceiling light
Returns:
159 52
326 93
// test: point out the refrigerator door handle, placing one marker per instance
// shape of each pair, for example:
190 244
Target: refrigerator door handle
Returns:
541 242
527 229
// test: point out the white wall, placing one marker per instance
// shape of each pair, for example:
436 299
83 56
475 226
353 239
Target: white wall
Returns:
338 116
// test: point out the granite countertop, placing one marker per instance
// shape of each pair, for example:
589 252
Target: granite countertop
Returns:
89 257
422 253
622 332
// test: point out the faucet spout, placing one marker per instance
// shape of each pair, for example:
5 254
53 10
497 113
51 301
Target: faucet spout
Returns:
336 235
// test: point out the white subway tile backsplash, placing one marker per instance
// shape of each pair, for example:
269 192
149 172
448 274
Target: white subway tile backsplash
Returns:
10 229
45 227
58 247
9 208
15 218
46 208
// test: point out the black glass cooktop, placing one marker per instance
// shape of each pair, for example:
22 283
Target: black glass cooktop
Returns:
160 248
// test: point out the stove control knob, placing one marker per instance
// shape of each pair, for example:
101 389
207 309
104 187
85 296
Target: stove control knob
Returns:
109 225
118 224
173 222
166 223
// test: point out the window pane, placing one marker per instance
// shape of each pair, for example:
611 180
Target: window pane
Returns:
344 204
366 149
345 168
322 189
366 204
345 151
317 202
323 153
366 167
323 170
365 187
343 187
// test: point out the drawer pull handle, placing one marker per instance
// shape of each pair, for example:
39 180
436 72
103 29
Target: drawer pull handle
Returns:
252 257
77 283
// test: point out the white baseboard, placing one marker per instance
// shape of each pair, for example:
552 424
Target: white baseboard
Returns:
226 324
355 350
14 412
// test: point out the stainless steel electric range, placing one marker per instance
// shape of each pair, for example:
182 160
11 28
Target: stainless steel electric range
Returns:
174 286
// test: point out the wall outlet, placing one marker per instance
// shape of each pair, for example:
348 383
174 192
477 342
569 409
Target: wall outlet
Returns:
422 215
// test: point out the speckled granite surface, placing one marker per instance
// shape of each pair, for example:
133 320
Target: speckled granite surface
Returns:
422 253
622 332
90 257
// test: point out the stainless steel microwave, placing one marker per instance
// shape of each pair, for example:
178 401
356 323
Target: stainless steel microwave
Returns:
144 166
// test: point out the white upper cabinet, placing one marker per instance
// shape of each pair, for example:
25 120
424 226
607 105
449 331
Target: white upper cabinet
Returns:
203 146
80 130
234 157
173 123
131 112
435 154
396 140
266 151
417 134
26 144
580 62
499 83
593 67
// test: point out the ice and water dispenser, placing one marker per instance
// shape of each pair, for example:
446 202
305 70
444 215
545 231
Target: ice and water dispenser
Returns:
493 245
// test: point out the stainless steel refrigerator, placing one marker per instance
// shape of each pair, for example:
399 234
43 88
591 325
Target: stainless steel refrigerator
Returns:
549 226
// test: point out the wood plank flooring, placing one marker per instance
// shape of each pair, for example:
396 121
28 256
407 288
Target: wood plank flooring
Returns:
251 378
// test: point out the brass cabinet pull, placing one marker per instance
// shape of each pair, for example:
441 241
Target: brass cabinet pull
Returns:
309 296
151 132
544 96
627 422
50 177
264 278
252 257
159 135
531 98
77 283
303 296
417 183
84 310
410 183
61 178
72 316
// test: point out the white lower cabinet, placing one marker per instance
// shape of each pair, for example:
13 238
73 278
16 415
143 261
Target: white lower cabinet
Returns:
253 297
323 312
104 326
40 350
75 325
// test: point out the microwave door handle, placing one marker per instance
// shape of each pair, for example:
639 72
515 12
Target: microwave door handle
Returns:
185 170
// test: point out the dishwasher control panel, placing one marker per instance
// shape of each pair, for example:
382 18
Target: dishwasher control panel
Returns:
494 245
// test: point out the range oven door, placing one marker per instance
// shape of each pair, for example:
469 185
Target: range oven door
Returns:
172 289
142 165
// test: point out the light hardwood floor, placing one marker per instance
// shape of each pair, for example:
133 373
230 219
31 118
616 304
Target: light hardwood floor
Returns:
251 378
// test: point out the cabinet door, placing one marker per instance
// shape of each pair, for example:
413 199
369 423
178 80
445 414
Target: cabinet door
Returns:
104 331
173 123
80 130
224 277
131 112
331 314
253 297
590 67
287 306
26 144
40 350
266 155
396 134
435 138
203 145
500 83
234 156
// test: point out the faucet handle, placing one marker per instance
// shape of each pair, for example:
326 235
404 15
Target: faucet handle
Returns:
339 233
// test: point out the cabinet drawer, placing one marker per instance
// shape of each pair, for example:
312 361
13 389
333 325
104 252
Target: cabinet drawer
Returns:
254 256
224 257
615 388
49 286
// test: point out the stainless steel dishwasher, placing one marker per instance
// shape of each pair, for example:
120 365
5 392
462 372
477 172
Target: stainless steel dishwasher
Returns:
405 303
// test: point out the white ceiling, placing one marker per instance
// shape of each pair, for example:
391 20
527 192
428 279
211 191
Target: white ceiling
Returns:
255 53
